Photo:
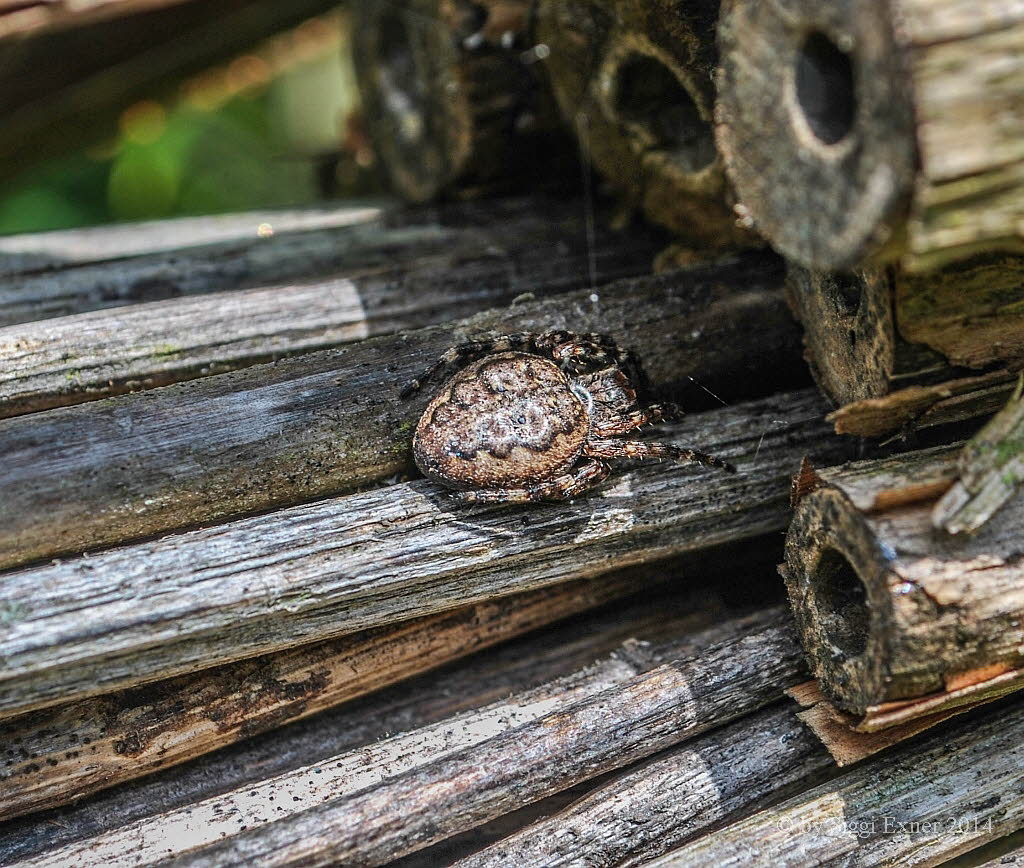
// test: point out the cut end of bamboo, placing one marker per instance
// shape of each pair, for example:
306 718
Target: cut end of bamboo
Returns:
891 611
657 104
635 80
452 96
815 123
829 577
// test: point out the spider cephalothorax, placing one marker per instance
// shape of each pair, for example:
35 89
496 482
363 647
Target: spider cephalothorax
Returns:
535 417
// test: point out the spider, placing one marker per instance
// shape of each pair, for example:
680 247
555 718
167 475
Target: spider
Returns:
534 417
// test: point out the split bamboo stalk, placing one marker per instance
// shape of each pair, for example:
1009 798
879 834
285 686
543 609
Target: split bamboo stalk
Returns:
268 436
865 132
990 471
634 79
923 804
891 610
38 251
1008 858
401 795
647 811
487 677
452 97
158 609
81 747
381 244
435 273
897 351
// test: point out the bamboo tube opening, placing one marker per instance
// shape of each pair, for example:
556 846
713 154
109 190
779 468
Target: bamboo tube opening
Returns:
653 100
888 608
815 124
841 603
837 579
825 90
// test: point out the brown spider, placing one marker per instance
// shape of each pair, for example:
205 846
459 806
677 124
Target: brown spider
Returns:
533 419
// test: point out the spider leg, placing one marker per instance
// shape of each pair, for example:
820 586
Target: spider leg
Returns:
462 354
573 353
576 353
586 475
608 449
630 364
664 411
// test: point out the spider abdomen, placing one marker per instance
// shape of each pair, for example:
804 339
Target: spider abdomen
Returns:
507 420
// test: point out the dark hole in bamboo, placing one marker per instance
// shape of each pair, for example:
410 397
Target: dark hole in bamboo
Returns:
841 603
649 94
400 80
849 292
825 88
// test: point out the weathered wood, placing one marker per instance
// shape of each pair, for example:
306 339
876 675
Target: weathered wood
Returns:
972 311
452 96
449 851
488 235
888 608
650 810
134 732
108 61
847 741
867 131
990 471
979 688
157 609
922 804
953 400
650 701
1009 853
634 79
861 333
268 799
330 421
37 251
484 678
414 277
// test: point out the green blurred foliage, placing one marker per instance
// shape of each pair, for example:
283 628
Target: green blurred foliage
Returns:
263 147
201 163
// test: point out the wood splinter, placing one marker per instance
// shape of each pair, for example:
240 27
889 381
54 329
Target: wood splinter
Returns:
991 471
897 351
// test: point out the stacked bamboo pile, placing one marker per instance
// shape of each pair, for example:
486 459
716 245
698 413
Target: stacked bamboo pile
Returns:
235 626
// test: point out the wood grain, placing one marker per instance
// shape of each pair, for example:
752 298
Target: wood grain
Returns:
634 80
392 279
532 233
899 352
157 609
132 733
825 193
990 471
272 435
412 793
968 73
888 607
647 811
923 804
38 251
868 132
454 99
465 685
